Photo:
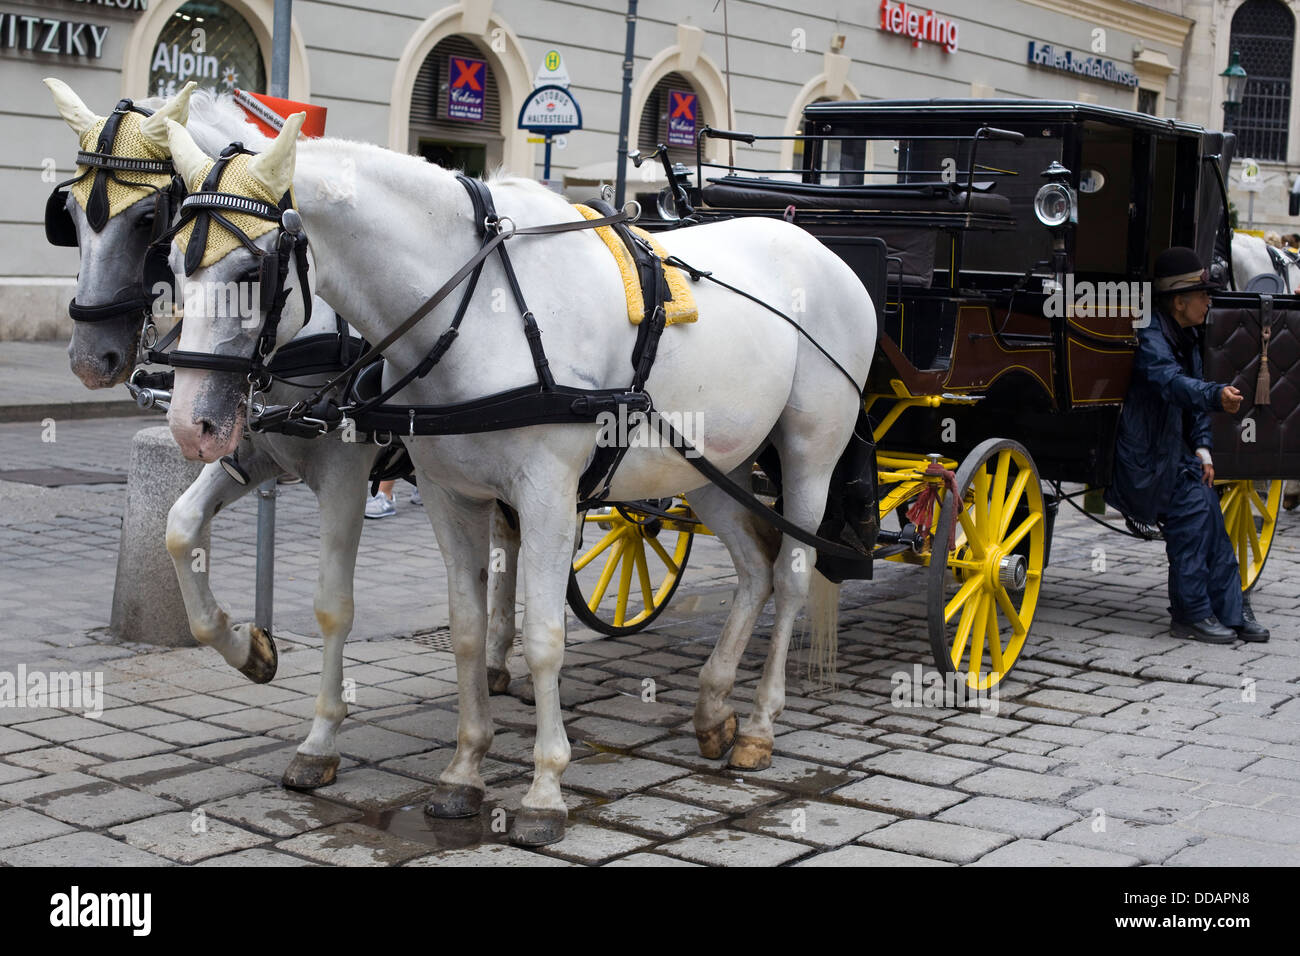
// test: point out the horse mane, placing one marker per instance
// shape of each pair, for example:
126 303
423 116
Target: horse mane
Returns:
216 121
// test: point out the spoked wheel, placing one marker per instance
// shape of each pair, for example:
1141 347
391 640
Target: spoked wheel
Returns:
1250 515
628 563
985 578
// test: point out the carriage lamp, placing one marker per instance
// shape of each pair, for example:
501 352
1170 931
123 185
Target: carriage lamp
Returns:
1236 77
1057 204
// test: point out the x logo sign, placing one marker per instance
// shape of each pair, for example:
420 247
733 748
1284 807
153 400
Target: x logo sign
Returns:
683 105
466 73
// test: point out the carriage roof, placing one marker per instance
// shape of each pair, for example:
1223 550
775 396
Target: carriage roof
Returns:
981 110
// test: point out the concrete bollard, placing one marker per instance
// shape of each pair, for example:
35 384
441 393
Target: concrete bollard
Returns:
147 603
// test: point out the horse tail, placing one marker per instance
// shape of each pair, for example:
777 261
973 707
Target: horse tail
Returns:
824 617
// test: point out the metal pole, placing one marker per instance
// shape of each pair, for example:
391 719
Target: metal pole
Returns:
546 165
264 601
629 51
264 606
1250 211
280 48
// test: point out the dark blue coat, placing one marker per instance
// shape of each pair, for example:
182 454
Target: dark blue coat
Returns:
1164 420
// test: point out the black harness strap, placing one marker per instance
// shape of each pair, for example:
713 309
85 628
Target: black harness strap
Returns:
744 498
654 292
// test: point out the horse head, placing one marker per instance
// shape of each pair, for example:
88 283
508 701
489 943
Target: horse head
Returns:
241 248
119 202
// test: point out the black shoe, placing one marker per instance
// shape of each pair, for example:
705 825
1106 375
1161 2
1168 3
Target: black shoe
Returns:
1251 630
1210 631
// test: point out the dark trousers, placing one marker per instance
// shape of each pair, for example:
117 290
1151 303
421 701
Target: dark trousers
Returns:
1203 575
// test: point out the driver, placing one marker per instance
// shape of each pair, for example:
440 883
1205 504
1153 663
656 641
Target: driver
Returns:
1164 472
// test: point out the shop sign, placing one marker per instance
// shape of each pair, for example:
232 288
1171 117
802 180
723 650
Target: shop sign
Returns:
1108 71
184 65
683 109
118 4
45 35
467 91
911 22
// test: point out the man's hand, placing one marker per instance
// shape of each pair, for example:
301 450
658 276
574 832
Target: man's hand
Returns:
1207 473
1230 399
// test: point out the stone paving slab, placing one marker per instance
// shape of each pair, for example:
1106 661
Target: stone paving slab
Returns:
942 841
1188 751
186 837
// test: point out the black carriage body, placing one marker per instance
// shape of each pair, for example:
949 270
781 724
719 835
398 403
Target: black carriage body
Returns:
985 305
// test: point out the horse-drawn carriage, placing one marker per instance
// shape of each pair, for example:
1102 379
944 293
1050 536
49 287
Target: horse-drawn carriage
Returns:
1007 245
981 234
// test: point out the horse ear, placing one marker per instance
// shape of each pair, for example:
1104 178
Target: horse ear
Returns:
74 112
191 162
274 168
177 108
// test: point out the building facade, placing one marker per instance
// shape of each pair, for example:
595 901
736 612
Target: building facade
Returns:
447 78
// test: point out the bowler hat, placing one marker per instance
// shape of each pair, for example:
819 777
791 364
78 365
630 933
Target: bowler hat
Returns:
1179 270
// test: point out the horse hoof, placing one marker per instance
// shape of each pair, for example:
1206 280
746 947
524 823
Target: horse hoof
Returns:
454 801
262 657
717 741
751 753
498 680
310 771
538 827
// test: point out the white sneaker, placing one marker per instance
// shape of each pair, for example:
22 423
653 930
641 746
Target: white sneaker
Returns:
380 506
416 499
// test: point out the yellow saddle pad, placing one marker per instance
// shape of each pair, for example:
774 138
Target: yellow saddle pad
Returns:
680 308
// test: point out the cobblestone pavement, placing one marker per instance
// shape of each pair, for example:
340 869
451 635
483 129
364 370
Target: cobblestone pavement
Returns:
1113 744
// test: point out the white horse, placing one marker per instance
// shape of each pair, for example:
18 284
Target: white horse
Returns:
387 230
1253 257
102 354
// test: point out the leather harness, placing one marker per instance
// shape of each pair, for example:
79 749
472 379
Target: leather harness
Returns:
544 402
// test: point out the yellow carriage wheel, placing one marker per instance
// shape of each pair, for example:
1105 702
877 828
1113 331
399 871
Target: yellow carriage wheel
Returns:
627 565
985 576
1250 516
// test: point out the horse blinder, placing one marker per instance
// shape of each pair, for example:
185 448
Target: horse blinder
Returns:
60 230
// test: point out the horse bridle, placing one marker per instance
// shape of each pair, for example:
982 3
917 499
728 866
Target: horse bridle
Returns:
103 165
290 246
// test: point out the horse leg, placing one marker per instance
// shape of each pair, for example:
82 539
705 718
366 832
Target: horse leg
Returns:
502 581
547 543
807 454
752 546
337 472
461 527
246 647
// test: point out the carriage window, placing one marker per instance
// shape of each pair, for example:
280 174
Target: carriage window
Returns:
1017 250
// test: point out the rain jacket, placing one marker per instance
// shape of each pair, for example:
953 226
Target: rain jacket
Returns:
1165 418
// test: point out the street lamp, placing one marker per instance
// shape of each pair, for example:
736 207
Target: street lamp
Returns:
1236 78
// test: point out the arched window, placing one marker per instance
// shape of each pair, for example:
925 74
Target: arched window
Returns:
673 105
457 128
210 43
1264 32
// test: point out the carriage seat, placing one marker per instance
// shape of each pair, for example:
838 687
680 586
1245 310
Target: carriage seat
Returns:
740 192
